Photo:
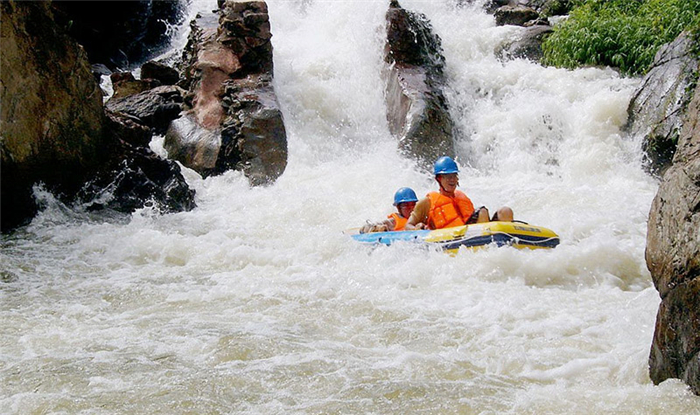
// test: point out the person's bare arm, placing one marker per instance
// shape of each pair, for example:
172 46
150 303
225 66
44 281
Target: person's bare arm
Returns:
419 216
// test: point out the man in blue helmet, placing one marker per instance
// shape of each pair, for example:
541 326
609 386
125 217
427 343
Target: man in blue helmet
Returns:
450 207
405 200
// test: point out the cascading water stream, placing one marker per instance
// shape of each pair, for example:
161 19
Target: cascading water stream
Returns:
255 302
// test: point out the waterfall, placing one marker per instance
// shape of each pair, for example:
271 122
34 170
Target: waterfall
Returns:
256 302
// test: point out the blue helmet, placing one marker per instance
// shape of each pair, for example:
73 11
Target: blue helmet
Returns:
445 165
403 195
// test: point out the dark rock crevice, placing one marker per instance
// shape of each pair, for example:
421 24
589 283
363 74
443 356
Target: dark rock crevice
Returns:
119 34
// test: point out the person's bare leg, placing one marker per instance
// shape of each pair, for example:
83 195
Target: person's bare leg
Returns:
483 215
505 214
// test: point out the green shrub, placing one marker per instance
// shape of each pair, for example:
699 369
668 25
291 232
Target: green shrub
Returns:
621 33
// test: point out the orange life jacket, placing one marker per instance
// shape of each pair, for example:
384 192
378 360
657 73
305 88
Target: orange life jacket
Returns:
400 221
447 212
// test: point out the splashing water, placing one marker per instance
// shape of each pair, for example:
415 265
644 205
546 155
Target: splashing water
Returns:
255 302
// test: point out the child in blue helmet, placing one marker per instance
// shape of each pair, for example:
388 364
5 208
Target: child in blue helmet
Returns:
405 200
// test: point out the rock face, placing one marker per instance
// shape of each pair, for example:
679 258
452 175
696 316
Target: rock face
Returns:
54 129
235 121
417 110
673 257
658 108
51 120
673 233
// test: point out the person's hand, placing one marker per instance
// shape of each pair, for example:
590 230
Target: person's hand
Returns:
367 228
417 226
374 227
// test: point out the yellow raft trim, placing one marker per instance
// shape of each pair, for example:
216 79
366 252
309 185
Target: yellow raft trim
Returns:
516 234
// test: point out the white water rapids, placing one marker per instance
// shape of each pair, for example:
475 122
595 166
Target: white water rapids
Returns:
255 302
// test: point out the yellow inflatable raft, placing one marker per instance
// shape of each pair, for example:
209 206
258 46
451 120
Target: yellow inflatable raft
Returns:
515 234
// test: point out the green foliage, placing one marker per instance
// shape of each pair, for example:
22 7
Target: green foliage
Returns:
621 33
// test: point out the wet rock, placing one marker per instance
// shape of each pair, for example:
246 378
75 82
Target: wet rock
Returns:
658 107
531 14
201 28
154 108
676 345
135 177
234 120
417 110
123 127
141 179
673 258
514 15
51 112
253 137
194 146
244 27
528 45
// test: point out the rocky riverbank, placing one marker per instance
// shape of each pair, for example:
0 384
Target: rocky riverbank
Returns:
220 112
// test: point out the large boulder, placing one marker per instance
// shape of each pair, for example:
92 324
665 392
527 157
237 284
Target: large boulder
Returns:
659 106
235 121
417 111
673 257
51 117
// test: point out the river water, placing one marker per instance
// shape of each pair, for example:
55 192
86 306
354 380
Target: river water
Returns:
256 302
